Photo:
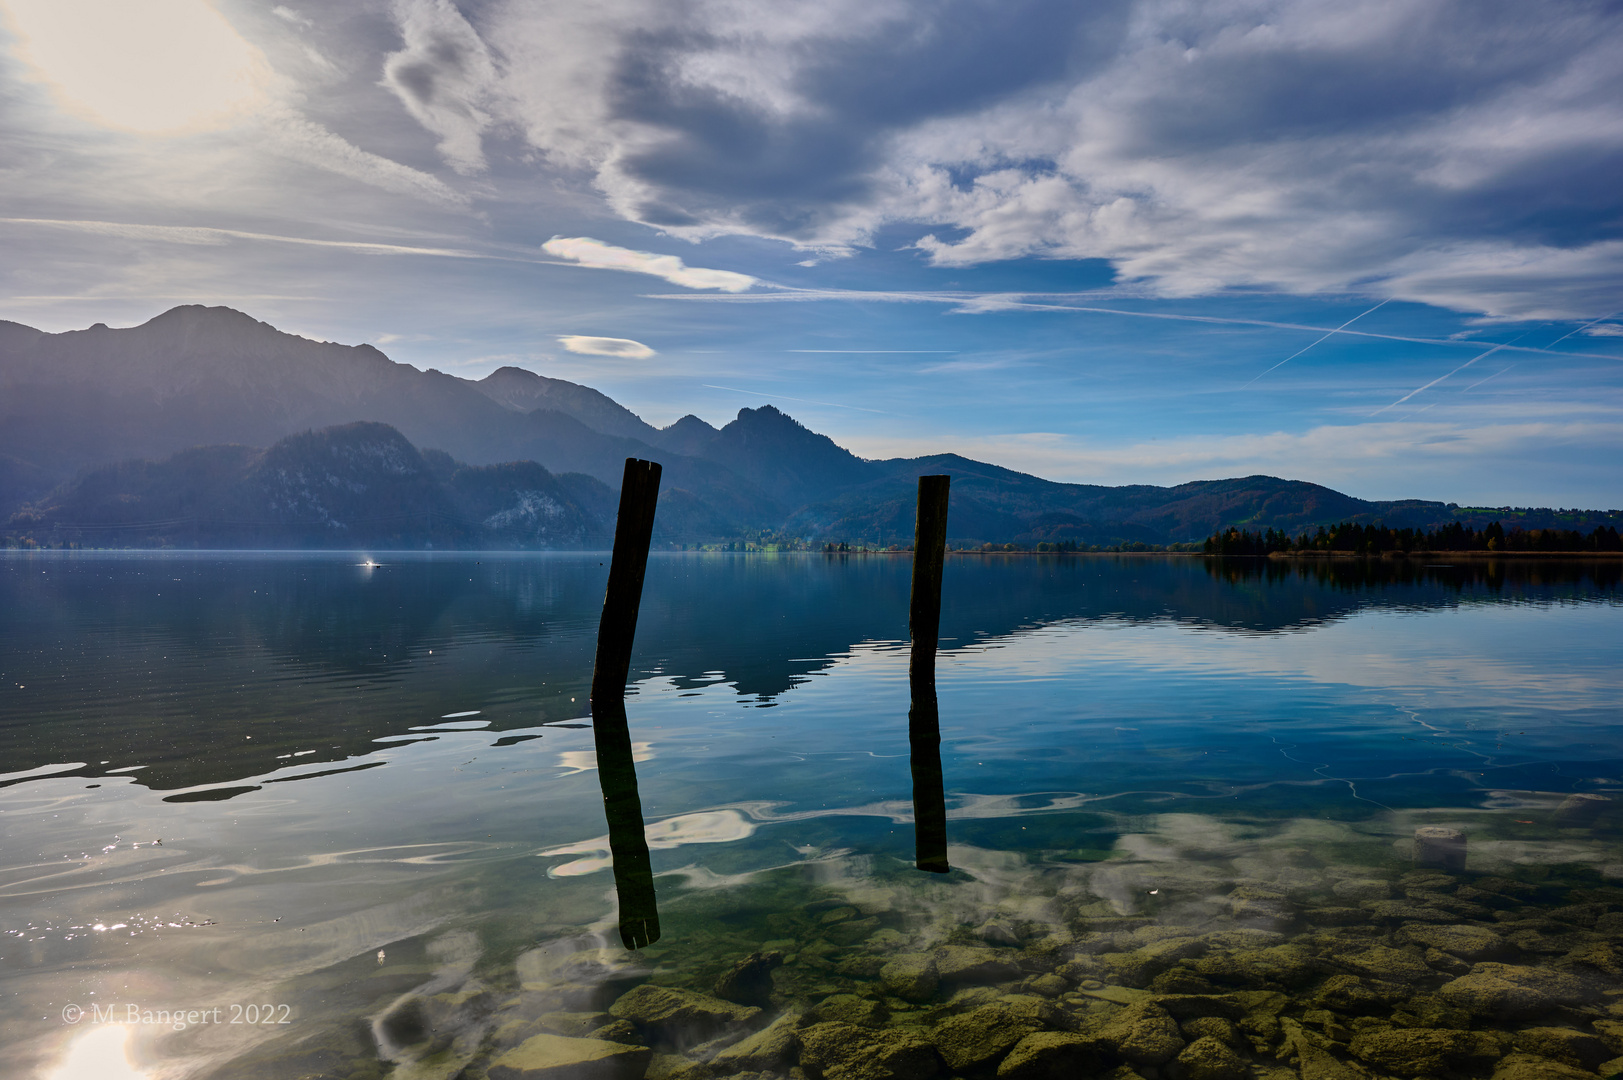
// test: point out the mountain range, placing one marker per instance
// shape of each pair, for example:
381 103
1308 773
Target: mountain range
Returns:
205 426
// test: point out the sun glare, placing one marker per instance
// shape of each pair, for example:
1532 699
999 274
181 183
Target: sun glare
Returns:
102 1053
160 67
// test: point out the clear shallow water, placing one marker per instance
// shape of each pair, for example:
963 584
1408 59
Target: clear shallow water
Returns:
368 778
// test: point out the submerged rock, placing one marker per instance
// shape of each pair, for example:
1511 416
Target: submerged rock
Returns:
851 1009
1142 1034
749 981
836 1051
911 977
560 1057
965 964
1052 1055
1426 1052
1507 991
772 1048
976 1039
1531 1067
1209 1058
1467 942
1564 1045
680 1016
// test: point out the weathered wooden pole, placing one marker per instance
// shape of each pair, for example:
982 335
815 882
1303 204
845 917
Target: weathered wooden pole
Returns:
633 531
924 718
628 842
929 556
616 771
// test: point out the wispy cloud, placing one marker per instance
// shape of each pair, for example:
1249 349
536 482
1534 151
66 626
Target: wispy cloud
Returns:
585 251
208 236
623 348
445 77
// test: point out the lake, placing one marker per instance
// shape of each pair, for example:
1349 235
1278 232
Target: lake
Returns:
346 814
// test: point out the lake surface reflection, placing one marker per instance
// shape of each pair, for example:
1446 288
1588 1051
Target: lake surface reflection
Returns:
365 791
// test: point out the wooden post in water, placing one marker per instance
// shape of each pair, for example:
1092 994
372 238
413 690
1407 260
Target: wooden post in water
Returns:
616 771
924 718
929 556
633 531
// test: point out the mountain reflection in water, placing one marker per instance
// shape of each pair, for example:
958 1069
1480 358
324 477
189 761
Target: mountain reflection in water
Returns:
205 668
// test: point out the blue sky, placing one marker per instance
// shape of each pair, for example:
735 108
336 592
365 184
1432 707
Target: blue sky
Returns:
1104 243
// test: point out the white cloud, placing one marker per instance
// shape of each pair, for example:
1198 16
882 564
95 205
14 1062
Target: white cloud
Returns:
445 77
624 348
287 14
588 252
1436 152
1604 330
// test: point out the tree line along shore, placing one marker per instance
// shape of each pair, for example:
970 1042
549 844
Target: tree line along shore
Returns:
1453 540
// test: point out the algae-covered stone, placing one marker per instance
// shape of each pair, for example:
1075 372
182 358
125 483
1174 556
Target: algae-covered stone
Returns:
770 1049
1047 985
1288 965
1208 1058
1598 956
1611 1033
1139 966
1391 965
749 981
1532 1067
851 1009
968 964
1565 1045
1143 1034
1214 1027
1506 990
674 1015
1320 1064
1190 1006
836 1051
1424 1052
1052 1055
1467 942
1362 889
976 1039
577 1024
1350 994
560 1057
911 977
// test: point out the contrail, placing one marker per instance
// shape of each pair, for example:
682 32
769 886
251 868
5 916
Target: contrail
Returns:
782 294
1582 328
1326 337
1440 378
1495 375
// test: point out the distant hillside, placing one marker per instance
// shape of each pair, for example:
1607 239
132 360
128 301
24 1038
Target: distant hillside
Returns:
360 484
126 429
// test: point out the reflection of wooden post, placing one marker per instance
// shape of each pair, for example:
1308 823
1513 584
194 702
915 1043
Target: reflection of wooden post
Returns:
929 793
633 530
1438 847
628 843
924 719
1581 809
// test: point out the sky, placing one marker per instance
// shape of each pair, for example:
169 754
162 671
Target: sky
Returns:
1373 245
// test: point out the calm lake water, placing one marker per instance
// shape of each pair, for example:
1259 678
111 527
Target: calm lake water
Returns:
303 795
